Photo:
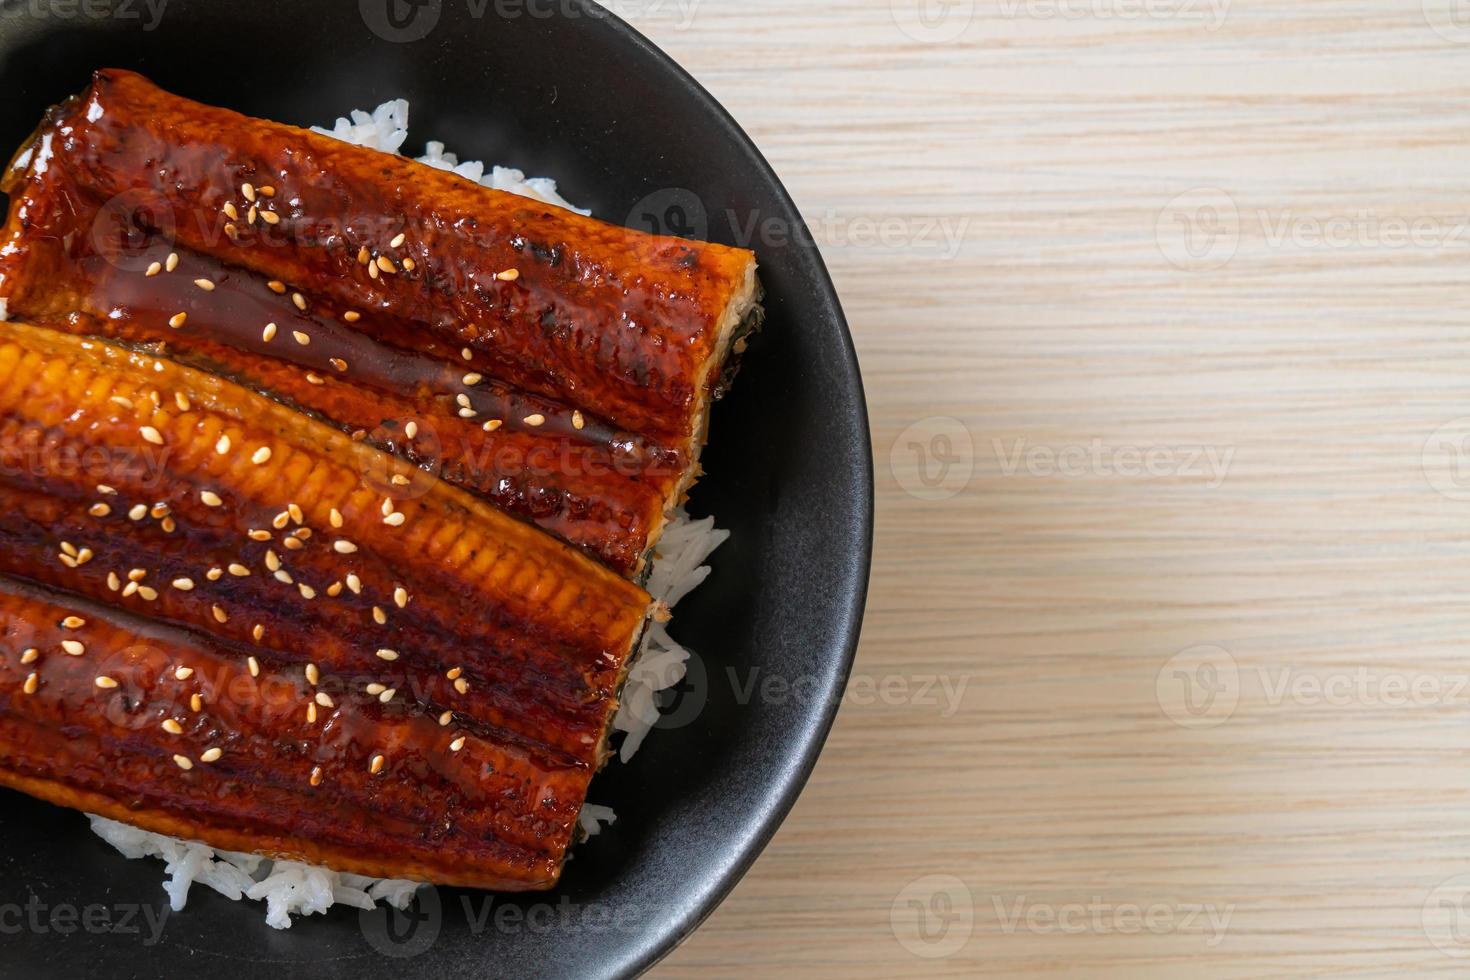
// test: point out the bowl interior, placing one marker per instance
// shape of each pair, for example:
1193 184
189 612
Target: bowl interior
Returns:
561 90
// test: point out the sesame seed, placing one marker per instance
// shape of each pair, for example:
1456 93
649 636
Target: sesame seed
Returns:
311 713
211 755
177 320
30 655
248 190
296 513
205 285
171 263
210 498
492 425
267 190
238 570
231 210
280 521
120 400
258 535
73 648
85 555
113 582
338 363
270 217
463 399
354 583
397 240
509 275
257 632
457 744
294 544
313 675
535 418
73 623
105 682
577 420
316 776
461 685
272 561
466 353
284 577
307 592
400 597
68 561
32 682
344 547
223 446
129 589
159 510
399 480
386 264
323 699
363 256
172 727
150 434
104 489
154 268
375 689
182 761
184 584
314 378
453 673
408 264
352 316
472 378
335 589
196 703
466 413
182 400
137 512
215 574
230 229
373 271
379 616
376 766
148 593
269 333
411 429
299 300
301 337
99 510
261 455
388 695
446 718
277 287
253 665
220 616
183 673
386 654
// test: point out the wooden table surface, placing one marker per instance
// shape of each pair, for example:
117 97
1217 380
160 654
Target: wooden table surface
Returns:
1162 310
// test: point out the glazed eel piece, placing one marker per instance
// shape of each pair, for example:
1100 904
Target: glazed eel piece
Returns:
590 353
318 651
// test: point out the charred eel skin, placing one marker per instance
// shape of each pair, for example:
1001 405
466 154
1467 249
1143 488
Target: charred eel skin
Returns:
622 334
392 677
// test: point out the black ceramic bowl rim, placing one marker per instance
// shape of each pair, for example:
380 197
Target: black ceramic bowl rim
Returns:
845 599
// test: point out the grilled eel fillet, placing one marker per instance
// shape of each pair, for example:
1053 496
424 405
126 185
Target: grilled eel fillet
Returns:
223 621
560 366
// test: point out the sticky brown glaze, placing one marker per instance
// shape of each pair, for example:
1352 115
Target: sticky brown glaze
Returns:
622 325
601 489
366 787
146 487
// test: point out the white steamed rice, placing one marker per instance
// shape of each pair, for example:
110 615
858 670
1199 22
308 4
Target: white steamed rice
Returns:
290 888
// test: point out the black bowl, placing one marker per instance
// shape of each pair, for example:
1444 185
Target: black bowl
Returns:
558 88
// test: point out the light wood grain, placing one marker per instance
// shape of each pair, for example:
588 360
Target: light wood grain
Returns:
1320 825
